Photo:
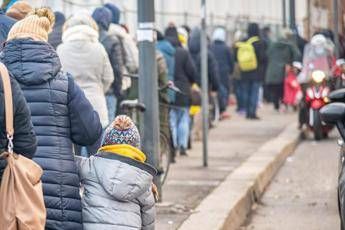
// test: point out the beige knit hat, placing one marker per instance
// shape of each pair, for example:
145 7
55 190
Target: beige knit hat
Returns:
19 10
36 25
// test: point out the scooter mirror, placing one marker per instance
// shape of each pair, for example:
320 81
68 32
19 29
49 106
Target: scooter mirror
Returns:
332 113
337 95
340 62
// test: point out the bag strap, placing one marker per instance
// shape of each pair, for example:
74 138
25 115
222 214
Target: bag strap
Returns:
8 105
253 39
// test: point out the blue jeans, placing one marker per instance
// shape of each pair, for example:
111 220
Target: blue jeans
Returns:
239 92
251 96
179 123
111 105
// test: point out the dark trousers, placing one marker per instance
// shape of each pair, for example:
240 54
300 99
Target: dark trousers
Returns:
277 93
223 98
251 96
238 88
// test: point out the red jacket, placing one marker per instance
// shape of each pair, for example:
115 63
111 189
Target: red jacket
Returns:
291 89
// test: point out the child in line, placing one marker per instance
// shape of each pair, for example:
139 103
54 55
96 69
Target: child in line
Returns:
117 183
292 89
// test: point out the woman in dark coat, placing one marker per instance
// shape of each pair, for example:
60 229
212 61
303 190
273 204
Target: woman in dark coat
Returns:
194 45
60 113
225 63
184 76
24 138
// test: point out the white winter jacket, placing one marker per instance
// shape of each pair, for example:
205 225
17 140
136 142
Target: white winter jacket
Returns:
83 56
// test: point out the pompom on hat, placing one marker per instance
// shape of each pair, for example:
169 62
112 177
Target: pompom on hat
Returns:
36 25
122 131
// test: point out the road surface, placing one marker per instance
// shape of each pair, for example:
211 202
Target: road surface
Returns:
303 194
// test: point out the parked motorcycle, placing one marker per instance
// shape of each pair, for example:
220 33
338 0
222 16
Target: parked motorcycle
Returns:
316 97
334 114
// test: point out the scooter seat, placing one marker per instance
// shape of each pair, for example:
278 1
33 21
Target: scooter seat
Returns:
337 96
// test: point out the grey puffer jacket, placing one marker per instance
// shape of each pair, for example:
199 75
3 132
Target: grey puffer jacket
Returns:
117 193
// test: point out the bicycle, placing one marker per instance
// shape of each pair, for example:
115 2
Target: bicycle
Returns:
132 108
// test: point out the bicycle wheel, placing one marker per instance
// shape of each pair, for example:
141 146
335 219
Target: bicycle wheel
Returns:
164 157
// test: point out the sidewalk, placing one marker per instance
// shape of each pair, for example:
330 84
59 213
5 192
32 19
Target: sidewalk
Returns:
230 144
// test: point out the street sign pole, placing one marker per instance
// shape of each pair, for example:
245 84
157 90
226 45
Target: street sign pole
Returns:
336 26
284 12
148 84
204 84
292 15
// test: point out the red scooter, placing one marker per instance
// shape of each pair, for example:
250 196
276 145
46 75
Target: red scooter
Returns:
316 97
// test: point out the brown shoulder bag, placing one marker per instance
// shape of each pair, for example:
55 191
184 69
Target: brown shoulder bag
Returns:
21 196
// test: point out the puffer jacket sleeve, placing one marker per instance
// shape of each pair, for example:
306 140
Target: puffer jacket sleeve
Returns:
190 69
108 75
86 127
148 210
25 142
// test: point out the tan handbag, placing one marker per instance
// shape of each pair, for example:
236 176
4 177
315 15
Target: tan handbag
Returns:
21 196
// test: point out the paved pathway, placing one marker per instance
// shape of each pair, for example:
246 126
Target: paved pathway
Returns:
230 144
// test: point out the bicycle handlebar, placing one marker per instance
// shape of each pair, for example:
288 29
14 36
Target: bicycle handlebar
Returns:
133 104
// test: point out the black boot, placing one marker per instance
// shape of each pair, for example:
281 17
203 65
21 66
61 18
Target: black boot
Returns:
183 152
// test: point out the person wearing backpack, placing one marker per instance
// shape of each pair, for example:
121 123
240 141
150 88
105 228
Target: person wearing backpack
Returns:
60 113
251 57
112 45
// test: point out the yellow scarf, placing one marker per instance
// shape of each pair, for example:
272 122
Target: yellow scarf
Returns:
125 150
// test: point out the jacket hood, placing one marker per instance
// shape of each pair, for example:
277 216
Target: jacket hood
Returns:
194 41
115 11
219 35
80 33
59 19
171 35
121 180
165 47
80 19
118 31
102 16
31 62
253 30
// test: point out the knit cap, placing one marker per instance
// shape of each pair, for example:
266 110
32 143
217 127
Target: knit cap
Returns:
122 131
19 10
36 25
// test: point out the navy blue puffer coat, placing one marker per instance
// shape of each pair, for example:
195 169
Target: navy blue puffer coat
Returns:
61 115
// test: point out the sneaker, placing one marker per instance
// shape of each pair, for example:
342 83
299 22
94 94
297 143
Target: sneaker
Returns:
225 116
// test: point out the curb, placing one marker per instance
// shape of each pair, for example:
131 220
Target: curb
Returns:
229 204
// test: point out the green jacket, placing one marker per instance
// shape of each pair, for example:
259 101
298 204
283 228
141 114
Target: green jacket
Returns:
279 54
